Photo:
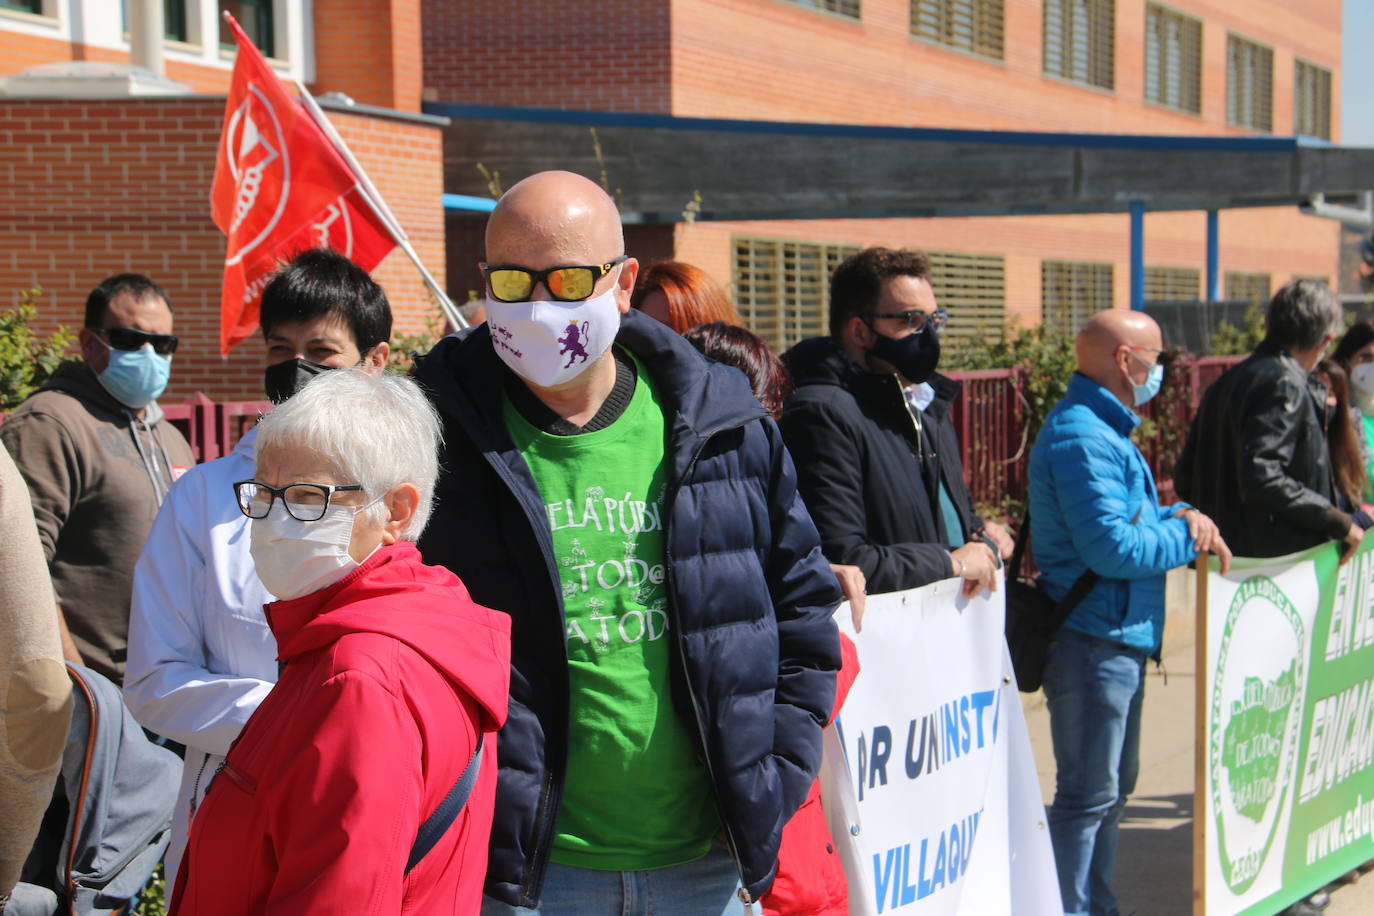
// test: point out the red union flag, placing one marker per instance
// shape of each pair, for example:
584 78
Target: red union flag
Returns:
280 187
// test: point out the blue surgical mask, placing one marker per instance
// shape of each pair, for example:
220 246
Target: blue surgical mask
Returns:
136 377
1151 387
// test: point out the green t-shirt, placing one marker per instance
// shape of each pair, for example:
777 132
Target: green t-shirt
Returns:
636 796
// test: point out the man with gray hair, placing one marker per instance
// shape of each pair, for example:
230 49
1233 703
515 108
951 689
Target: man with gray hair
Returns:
1256 460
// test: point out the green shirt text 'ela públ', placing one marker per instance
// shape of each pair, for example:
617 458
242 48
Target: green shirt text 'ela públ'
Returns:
636 795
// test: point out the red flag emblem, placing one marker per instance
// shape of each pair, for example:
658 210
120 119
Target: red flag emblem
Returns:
280 187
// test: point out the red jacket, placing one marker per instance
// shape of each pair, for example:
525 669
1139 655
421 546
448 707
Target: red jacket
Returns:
810 880
391 673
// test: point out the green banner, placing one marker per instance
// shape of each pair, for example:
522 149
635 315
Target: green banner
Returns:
1289 756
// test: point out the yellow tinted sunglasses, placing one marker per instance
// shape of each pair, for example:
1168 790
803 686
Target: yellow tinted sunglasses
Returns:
511 283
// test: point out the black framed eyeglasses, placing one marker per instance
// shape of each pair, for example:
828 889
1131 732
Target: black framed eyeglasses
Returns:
512 283
305 502
916 319
128 339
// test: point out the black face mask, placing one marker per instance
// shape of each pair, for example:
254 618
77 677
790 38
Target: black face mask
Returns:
915 356
286 378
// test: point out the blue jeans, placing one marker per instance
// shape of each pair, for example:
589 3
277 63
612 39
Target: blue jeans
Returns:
703 887
1094 688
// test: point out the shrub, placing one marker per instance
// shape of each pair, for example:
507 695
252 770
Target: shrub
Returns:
26 359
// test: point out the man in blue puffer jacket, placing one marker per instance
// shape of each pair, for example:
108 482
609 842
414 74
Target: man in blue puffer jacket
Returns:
1094 506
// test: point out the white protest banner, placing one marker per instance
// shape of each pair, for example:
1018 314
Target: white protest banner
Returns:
936 754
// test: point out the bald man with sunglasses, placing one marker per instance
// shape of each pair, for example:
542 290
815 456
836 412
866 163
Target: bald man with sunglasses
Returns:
631 506
99 457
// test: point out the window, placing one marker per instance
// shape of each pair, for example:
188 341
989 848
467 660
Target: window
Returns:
972 288
1071 292
1173 59
255 16
846 8
1080 37
782 288
1311 100
968 25
1247 287
1172 284
23 6
173 18
1249 84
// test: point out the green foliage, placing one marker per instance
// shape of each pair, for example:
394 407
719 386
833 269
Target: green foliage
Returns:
26 359
1046 359
1229 340
1044 355
405 347
154 901
1165 421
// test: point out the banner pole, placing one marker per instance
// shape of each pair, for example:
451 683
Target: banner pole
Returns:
373 198
1200 662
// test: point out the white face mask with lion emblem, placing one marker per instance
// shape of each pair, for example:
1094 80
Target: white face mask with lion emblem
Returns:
548 343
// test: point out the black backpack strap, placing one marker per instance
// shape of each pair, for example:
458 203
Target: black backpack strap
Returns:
1073 598
437 824
1076 593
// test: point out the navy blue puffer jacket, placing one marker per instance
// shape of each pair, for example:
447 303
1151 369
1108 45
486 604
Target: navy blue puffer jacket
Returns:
756 651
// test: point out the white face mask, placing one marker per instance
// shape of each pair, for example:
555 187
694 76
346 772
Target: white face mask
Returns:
549 342
1362 378
295 558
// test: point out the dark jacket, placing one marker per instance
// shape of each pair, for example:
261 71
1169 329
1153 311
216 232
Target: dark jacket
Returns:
1256 459
870 468
751 598
96 474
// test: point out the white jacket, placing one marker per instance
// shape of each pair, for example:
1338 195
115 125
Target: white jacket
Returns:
201 657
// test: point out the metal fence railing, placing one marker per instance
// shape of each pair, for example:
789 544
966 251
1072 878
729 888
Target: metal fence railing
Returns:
989 417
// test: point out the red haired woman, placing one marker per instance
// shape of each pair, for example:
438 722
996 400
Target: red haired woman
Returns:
682 296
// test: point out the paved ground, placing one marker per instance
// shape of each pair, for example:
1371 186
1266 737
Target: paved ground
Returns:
1154 868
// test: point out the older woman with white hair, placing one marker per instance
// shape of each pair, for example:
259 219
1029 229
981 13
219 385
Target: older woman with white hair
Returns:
359 785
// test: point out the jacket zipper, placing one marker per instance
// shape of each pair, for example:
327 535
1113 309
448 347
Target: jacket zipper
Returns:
682 658
549 794
195 790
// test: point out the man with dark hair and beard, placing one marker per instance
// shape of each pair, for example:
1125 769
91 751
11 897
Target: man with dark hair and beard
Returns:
869 429
201 657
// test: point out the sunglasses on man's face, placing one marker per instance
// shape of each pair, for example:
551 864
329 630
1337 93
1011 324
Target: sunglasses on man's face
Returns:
511 283
129 339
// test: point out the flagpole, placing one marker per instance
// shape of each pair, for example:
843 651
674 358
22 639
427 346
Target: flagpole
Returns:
374 200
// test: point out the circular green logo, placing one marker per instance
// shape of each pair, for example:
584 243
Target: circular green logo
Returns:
1255 716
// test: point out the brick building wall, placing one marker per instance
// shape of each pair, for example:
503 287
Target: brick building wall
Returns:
89 189
612 55
775 60
1279 242
778 60
370 51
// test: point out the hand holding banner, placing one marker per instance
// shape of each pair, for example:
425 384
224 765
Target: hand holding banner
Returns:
280 188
